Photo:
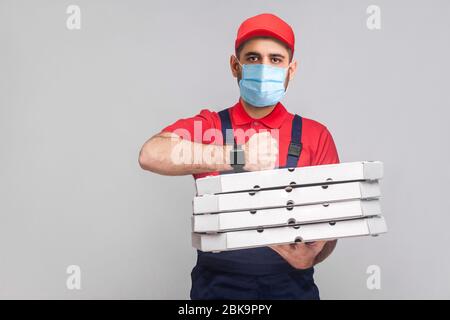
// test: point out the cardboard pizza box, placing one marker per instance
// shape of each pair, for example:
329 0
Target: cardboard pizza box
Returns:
242 239
330 211
288 197
280 178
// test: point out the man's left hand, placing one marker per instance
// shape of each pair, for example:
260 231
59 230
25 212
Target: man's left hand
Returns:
300 255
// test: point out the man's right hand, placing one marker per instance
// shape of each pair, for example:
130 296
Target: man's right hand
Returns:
261 152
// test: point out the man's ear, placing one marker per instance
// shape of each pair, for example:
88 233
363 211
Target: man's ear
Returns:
292 69
234 65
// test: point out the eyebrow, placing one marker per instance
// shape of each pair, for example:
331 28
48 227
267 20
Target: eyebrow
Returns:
272 55
277 55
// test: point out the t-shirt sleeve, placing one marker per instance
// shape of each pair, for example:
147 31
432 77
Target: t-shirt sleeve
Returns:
326 152
194 128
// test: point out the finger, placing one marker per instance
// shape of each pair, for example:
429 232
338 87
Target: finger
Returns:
275 247
318 246
291 247
278 250
302 246
282 253
284 248
316 243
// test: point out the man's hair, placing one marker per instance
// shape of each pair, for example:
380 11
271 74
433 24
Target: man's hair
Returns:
239 49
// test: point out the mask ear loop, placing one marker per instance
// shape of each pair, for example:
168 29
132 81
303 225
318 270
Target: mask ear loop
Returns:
240 64
287 78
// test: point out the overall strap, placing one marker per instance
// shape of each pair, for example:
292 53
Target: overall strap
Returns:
295 145
227 132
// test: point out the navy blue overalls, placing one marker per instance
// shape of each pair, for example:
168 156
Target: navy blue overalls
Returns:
256 273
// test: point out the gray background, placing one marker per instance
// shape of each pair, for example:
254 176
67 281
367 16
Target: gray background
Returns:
76 106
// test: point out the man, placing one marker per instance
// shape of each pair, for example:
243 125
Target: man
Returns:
263 65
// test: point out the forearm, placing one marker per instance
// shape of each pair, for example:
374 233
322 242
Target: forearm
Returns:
325 252
168 154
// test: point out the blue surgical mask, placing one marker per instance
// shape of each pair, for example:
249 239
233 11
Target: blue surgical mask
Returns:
262 84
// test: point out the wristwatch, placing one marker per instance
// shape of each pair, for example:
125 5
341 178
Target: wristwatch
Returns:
237 158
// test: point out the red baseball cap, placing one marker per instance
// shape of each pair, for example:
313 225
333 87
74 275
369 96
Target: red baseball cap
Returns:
268 25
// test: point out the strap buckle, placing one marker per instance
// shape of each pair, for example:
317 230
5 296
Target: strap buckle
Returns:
295 149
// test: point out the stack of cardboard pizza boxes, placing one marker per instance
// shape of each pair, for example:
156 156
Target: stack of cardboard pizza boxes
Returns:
280 206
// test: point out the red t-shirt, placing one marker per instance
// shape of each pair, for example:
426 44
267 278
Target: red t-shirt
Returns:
318 144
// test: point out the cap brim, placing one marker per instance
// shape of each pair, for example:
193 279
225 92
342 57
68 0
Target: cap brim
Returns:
261 33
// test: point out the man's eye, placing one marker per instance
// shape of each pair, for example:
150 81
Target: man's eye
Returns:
252 59
276 60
